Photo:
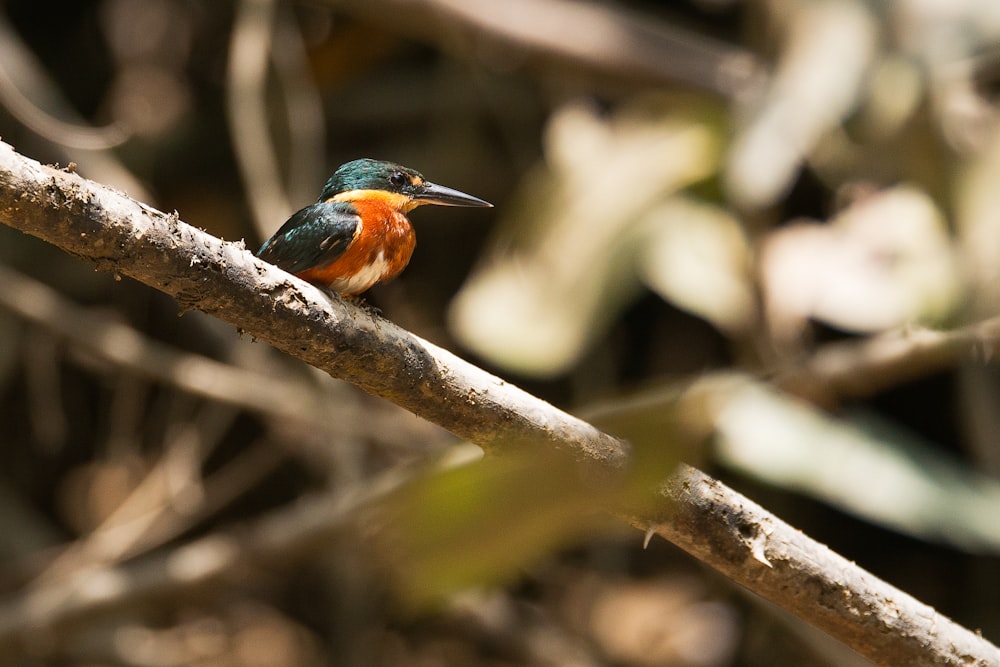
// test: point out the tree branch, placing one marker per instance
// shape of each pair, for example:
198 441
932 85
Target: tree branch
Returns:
710 521
758 550
222 279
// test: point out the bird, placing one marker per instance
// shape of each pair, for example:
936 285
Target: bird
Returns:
357 233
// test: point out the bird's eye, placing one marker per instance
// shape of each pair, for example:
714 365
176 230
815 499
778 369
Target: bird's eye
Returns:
399 179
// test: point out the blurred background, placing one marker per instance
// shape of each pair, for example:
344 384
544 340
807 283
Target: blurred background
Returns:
761 237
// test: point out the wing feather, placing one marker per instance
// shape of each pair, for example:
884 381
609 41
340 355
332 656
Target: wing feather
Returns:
315 236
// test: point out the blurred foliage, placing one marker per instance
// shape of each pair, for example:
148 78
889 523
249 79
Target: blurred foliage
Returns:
476 525
694 201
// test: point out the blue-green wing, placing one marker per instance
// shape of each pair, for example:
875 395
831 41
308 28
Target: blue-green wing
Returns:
316 235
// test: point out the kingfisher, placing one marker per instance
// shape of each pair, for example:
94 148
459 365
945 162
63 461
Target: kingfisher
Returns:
357 233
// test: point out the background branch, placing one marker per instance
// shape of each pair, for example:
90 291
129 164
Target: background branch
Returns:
857 369
24 76
547 32
248 112
710 521
126 348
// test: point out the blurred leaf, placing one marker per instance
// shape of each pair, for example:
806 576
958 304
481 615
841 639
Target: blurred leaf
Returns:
698 258
477 525
865 465
828 47
565 265
481 524
884 262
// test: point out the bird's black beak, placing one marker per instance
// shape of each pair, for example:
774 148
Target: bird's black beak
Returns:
429 193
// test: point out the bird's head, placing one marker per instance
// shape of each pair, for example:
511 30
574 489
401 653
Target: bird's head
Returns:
401 187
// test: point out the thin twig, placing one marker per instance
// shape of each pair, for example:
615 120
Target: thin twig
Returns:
129 349
246 105
147 518
303 109
23 72
282 536
861 368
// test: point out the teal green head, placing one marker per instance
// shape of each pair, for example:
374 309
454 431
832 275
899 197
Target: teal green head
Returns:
405 187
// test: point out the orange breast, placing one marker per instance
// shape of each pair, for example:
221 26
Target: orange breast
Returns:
381 249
